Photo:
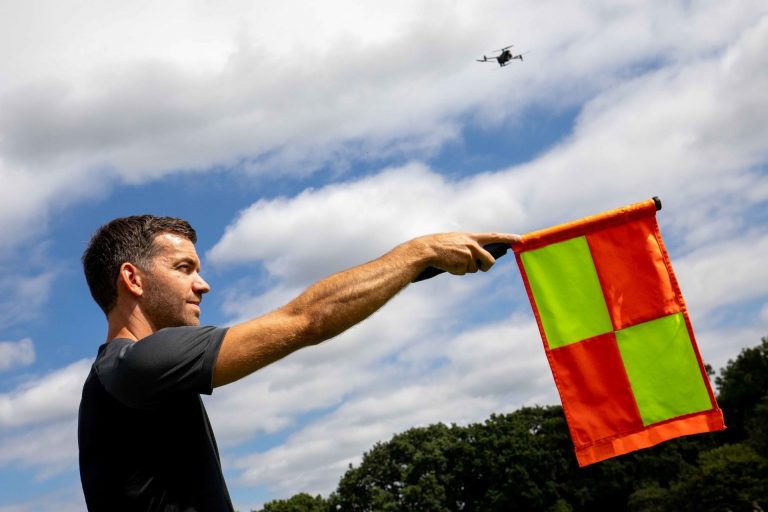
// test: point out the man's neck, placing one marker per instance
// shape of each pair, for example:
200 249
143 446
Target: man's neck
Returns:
128 323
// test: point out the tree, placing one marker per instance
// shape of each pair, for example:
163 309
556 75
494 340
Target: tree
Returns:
518 461
743 386
406 473
301 502
652 498
524 461
728 478
757 428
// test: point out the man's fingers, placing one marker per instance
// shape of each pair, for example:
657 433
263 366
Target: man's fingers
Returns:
482 266
483 259
496 238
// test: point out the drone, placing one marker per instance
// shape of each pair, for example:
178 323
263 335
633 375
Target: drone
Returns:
505 57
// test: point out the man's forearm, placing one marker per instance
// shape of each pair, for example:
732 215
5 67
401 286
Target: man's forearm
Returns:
324 310
342 300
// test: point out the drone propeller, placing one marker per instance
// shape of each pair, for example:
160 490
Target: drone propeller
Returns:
505 48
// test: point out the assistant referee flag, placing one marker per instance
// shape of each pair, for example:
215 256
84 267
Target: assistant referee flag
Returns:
616 332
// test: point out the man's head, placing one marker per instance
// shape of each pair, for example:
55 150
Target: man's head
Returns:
152 260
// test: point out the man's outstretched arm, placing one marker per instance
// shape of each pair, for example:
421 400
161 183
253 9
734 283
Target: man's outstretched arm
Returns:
336 303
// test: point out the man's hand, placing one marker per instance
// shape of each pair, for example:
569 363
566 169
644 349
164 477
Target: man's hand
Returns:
336 303
463 253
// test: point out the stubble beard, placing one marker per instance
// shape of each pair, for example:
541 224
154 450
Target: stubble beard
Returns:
163 310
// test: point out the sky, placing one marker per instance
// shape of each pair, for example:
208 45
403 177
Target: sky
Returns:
302 138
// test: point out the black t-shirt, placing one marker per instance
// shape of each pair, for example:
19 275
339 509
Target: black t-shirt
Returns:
145 440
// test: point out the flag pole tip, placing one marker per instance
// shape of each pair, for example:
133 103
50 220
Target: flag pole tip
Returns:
658 202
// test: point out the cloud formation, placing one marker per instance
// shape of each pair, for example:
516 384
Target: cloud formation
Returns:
494 368
670 102
52 397
13 353
343 84
653 135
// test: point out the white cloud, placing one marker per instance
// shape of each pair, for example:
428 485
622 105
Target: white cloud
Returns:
720 344
405 366
649 136
321 377
725 273
134 91
60 500
360 220
35 190
53 397
94 99
13 353
652 136
23 295
50 449
494 368
38 424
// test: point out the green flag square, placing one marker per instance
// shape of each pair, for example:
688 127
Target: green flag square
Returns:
567 292
663 369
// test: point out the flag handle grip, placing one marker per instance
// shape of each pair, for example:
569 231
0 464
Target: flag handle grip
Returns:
496 250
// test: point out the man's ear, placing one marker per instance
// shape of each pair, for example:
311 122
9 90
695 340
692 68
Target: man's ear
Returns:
130 278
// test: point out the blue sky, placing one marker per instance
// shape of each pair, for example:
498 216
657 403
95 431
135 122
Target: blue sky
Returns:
301 139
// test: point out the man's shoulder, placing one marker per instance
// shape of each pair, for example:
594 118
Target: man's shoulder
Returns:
184 331
143 373
171 342
111 350
118 347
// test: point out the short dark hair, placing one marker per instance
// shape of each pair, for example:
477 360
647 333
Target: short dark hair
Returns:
127 239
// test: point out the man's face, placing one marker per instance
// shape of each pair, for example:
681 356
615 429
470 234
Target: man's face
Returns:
173 287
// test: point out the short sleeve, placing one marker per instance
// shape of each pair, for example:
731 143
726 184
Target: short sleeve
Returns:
170 363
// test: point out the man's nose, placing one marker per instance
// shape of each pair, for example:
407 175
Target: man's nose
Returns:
201 285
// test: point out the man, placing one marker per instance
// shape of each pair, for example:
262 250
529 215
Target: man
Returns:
145 439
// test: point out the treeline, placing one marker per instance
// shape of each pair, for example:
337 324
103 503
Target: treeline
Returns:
524 461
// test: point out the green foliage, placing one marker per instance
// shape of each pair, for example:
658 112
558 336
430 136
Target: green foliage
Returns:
519 461
302 502
442 468
757 428
652 498
728 478
743 387
524 461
